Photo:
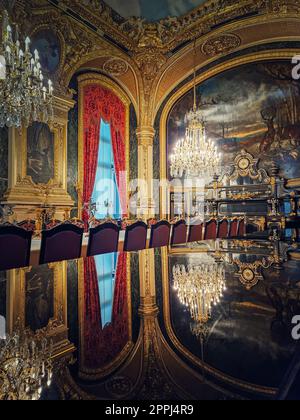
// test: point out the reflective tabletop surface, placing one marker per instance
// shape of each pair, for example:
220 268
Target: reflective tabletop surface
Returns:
186 323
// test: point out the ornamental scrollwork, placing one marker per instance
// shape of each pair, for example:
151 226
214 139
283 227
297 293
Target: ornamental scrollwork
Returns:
221 45
246 165
115 67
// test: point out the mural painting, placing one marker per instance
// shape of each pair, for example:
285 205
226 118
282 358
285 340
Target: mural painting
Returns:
40 153
48 46
39 297
254 107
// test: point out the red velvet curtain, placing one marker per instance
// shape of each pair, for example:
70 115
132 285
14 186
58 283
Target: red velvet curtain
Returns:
101 346
102 104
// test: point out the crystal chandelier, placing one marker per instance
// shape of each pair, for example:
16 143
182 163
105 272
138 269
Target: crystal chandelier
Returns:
25 368
23 96
199 288
194 155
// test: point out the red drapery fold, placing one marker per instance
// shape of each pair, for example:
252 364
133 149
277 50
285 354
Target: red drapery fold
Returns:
101 346
102 104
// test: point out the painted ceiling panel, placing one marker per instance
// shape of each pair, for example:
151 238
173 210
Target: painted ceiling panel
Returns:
153 10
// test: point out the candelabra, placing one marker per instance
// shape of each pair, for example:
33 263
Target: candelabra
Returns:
25 367
23 96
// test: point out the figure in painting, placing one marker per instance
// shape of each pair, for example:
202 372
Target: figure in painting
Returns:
48 46
40 153
39 297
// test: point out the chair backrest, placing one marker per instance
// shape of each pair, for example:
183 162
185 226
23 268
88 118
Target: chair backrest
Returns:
223 229
136 237
160 234
210 231
195 233
15 245
242 227
179 233
61 243
103 239
233 230
28 225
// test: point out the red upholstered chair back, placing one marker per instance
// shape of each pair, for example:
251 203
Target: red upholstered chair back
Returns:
103 239
223 229
15 244
210 232
136 237
28 225
179 233
242 227
61 243
195 233
160 234
233 230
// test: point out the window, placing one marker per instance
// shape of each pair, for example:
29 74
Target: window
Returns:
106 194
106 272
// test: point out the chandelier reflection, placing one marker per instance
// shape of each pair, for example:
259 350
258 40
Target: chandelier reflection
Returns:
195 155
199 288
23 96
25 368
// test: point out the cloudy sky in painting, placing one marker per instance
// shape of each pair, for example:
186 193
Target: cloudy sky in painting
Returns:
153 9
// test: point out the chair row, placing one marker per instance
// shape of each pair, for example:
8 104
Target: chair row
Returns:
64 241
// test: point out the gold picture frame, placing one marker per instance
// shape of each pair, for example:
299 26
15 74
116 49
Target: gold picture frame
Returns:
57 328
24 194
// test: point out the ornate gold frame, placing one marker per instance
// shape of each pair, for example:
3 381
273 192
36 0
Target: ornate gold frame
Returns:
97 374
247 387
83 81
57 328
285 54
22 191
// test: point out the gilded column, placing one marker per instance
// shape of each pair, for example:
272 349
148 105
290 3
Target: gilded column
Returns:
146 205
147 282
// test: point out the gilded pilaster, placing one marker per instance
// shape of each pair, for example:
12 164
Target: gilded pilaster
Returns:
146 206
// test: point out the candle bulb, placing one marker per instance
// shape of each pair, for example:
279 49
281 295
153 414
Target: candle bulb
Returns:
21 56
27 43
8 54
50 86
9 33
36 55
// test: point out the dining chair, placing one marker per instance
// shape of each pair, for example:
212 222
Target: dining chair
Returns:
15 245
160 234
136 237
103 239
61 243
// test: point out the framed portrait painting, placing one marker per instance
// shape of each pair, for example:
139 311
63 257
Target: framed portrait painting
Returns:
47 43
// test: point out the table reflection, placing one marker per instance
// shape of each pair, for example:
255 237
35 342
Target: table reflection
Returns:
246 334
222 315
105 313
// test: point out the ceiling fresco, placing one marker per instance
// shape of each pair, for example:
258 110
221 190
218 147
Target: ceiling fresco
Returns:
153 10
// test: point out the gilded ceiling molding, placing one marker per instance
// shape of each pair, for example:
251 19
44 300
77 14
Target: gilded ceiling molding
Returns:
170 32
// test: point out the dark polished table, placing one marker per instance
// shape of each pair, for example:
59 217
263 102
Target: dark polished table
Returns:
106 312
